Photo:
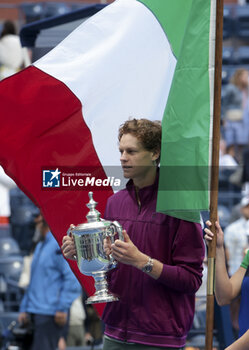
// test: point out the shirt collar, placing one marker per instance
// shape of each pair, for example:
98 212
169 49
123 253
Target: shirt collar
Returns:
144 193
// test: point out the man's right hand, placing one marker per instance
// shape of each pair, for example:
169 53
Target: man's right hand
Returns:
23 318
68 247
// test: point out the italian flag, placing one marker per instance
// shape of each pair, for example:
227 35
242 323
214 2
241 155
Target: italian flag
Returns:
136 58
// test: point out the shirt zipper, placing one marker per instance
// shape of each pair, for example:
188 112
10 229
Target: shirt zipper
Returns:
138 200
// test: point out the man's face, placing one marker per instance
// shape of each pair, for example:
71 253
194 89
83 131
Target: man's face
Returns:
244 78
245 212
39 228
136 161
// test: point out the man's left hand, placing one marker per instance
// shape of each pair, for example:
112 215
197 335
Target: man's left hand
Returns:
60 318
127 253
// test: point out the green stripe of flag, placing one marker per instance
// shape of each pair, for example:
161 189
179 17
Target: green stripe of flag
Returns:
173 17
184 173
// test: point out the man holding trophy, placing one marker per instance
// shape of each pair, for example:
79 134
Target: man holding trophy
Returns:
160 258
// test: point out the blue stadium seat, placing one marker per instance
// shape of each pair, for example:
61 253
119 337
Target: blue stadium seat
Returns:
5 230
228 22
14 336
23 210
241 21
227 72
8 246
11 267
23 215
56 9
32 11
6 318
241 55
227 55
1 27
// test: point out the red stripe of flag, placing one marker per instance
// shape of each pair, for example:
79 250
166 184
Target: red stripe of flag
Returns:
44 127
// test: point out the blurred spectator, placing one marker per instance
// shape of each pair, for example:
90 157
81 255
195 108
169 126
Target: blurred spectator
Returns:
93 325
245 175
235 115
227 156
230 173
76 331
51 291
236 242
235 213
224 215
6 183
23 212
236 238
12 56
25 274
77 312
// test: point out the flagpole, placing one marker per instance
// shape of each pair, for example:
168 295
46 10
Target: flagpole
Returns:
214 174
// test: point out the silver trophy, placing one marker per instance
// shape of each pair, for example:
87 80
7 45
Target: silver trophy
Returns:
90 254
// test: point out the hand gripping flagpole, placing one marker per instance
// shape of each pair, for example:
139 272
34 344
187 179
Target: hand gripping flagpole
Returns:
214 175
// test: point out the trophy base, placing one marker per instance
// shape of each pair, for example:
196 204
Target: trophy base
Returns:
102 295
103 298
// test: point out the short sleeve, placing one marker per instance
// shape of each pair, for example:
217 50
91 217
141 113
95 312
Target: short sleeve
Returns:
245 262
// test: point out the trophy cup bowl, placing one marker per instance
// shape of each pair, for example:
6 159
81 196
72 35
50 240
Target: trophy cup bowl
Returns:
90 253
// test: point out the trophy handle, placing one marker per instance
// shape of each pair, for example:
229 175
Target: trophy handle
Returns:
119 230
115 227
69 231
